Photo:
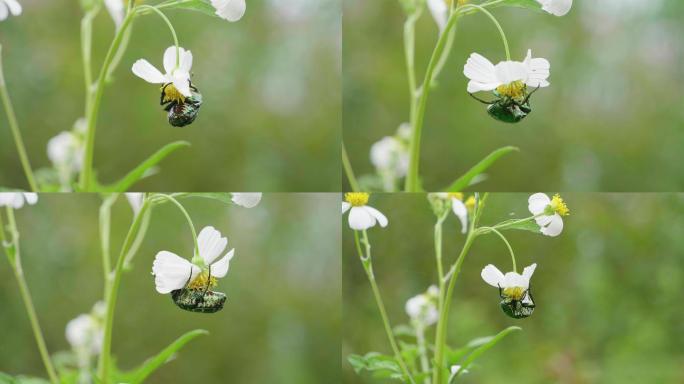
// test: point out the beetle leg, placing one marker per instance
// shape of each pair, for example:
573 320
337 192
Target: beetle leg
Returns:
163 92
530 94
480 100
189 277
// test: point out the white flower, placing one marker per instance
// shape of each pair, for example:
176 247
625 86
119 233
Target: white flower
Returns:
458 207
440 12
549 213
246 199
117 10
508 78
85 332
512 284
9 6
422 308
390 155
178 76
16 199
135 199
173 272
231 10
361 216
65 151
556 7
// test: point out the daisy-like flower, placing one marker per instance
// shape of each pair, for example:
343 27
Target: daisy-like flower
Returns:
508 78
117 10
16 199
549 212
361 216
135 200
246 199
9 6
512 284
231 10
459 206
173 272
422 308
556 7
176 80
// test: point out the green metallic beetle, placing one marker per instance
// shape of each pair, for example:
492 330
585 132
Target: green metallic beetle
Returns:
517 308
507 109
181 112
198 300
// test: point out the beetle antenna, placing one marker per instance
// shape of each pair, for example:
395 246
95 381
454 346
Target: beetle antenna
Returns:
480 100
530 94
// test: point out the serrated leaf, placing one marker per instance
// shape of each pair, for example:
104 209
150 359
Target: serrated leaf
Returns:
202 6
464 181
493 340
141 170
152 364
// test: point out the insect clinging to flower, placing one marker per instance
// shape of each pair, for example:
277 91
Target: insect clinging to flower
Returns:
514 289
510 82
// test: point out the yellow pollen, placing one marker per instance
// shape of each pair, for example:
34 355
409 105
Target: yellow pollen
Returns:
201 281
455 195
171 93
356 199
515 293
559 206
514 90
470 202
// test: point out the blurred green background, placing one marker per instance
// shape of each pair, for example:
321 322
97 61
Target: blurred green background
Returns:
612 119
271 85
281 323
608 289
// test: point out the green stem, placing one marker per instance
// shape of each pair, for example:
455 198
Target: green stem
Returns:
496 22
349 171
14 127
367 263
422 351
86 54
104 365
189 220
119 53
168 23
410 56
86 178
26 296
440 272
510 249
140 236
105 229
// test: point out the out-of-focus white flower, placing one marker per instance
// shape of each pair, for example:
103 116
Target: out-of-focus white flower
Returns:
173 272
556 7
508 78
85 332
135 199
246 199
390 155
9 6
117 10
176 77
65 151
459 206
231 10
512 284
440 12
422 308
361 216
16 199
549 213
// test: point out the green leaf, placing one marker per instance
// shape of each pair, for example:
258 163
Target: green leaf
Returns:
454 356
464 181
152 364
146 166
224 197
7 379
202 6
404 330
488 343
381 366
529 4
519 224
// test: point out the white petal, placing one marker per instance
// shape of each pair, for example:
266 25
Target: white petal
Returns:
11 199
231 10
360 219
556 7
146 71
440 12
543 221
170 58
529 271
513 279
538 71
116 9
481 73
455 369
172 272
345 207
382 220
4 12
461 212
14 7
181 80
492 276
537 203
135 199
186 61
210 244
555 227
220 268
31 197
247 200
510 71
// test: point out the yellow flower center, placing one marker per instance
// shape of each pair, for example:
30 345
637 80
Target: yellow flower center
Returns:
202 281
514 90
455 195
515 293
356 199
470 202
558 205
171 93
